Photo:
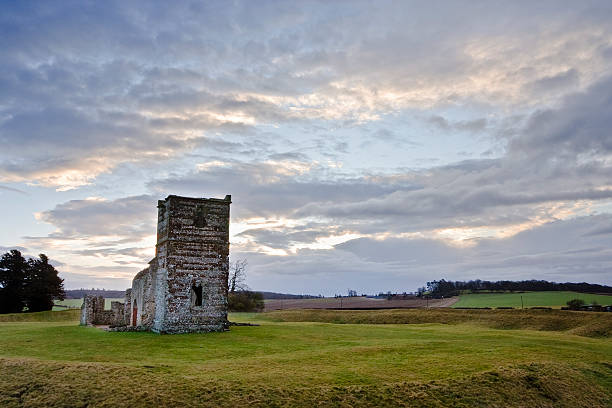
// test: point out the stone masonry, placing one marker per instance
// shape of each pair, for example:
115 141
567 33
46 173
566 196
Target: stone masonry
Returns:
184 289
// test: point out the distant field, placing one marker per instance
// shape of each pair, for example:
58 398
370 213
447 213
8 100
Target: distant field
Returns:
76 303
530 299
354 302
294 359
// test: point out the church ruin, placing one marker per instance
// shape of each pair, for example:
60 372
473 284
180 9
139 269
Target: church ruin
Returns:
184 289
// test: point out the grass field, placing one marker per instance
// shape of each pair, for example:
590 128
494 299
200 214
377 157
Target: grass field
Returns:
530 299
76 303
288 361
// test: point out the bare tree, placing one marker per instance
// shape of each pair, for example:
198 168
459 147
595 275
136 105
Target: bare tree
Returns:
237 275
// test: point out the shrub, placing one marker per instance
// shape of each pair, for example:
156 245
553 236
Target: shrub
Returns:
575 304
245 301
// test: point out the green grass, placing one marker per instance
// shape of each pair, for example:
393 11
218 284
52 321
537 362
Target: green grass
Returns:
301 363
530 299
76 303
49 316
588 324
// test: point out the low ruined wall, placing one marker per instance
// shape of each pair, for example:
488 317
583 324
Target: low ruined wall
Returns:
117 312
127 308
93 313
104 317
92 306
142 298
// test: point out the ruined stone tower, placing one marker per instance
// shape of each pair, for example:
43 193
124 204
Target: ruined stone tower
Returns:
184 289
192 264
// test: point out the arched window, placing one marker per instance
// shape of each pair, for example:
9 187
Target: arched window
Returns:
196 295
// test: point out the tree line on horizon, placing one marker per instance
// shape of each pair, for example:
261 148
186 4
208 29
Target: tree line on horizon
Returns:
439 288
28 284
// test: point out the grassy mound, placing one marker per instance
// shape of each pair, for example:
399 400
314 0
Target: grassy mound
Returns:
48 316
533 385
588 324
58 363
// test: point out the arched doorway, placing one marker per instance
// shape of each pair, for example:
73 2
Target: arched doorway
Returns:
134 313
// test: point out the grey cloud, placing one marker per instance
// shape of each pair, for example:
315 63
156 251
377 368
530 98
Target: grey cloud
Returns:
411 253
543 165
555 251
130 59
475 125
605 229
261 189
560 156
132 217
580 126
149 83
141 254
284 238
560 81
558 249
527 183
12 190
289 156
118 277
389 136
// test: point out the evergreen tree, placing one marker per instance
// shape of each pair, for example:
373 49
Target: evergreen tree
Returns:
32 283
13 270
42 285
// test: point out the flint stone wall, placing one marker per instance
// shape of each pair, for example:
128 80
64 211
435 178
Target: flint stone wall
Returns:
127 307
192 251
191 255
93 313
142 297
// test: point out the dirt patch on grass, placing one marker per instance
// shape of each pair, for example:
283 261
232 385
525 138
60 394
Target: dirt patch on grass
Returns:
589 324
55 384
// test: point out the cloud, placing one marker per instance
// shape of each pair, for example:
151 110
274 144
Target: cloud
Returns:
475 125
521 215
318 122
272 187
533 184
12 190
554 251
83 95
560 81
577 131
123 217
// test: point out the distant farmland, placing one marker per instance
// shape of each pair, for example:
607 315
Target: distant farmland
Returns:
530 299
357 302
76 303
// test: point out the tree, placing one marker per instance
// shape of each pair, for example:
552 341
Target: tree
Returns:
575 304
42 285
245 301
237 276
32 283
239 297
13 269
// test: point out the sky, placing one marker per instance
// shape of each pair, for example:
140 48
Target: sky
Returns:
370 146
